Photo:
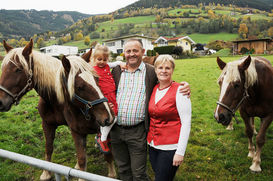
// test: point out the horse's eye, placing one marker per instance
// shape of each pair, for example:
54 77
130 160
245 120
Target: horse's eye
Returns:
80 88
236 85
18 70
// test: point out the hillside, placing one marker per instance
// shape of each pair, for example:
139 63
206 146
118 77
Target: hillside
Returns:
266 5
25 23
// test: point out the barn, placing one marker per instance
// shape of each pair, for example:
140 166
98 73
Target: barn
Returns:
256 46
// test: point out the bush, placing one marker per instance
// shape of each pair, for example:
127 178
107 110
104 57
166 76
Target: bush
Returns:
151 53
94 35
178 50
244 50
164 50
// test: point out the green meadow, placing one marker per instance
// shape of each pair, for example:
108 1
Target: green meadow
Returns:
213 153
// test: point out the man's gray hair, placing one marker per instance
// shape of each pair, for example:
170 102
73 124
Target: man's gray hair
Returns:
134 40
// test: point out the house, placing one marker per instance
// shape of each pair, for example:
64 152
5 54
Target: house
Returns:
116 45
185 42
259 46
57 50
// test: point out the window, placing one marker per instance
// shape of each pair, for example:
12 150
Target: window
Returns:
110 44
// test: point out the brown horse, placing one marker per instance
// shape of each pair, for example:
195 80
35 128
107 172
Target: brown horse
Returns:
69 95
150 59
247 85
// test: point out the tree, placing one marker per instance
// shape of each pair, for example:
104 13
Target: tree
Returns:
211 14
243 30
78 36
270 32
87 40
40 42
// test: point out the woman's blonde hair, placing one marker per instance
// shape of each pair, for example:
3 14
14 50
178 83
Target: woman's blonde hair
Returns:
163 59
100 50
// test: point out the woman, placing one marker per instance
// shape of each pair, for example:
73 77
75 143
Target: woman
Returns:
170 114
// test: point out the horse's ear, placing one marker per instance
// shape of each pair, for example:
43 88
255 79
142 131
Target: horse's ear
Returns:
221 63
243 66
28 49
87 55
66 65
6 46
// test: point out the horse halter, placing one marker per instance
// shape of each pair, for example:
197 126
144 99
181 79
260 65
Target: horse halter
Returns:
88 104
246 95
16 97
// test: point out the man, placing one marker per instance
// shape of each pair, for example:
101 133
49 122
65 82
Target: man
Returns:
128 136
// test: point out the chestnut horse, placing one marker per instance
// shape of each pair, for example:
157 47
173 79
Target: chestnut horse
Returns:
150 59
247 85
69 95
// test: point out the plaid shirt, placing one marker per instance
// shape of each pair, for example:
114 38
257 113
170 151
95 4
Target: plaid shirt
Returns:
131 96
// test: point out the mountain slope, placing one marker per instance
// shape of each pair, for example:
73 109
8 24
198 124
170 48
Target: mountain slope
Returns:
266 5
25 23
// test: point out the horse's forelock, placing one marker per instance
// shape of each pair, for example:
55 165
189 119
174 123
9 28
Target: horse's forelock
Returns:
231 72
11 56
78 65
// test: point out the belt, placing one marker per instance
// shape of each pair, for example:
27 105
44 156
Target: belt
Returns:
131 126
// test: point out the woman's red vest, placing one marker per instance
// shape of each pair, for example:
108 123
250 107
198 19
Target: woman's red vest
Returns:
165 122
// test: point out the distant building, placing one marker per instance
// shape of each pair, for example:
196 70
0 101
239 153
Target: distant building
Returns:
116 45
260 46
185 42
57 50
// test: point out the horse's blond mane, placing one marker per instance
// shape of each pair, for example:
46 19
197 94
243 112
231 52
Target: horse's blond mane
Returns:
44 67
232 74
48 71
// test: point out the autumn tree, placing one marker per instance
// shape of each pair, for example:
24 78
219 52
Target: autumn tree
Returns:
243 30
270 32
78 36
40 42
87 40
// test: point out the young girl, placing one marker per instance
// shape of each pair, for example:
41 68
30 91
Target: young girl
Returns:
99 59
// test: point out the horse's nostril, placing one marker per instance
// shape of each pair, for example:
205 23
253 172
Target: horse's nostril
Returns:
107 121
1 104
221 118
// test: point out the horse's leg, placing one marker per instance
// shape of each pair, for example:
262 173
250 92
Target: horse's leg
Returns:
230 126
253 125
111 167
249 134
260 140
80 144
49 134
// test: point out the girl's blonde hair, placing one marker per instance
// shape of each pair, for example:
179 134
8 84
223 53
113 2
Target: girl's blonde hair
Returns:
164 58
100 50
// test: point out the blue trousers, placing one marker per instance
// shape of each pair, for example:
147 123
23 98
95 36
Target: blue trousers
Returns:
162 164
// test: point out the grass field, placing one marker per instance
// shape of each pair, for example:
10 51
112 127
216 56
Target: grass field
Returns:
206 38
213 153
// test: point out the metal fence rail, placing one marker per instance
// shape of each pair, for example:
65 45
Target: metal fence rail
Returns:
53 167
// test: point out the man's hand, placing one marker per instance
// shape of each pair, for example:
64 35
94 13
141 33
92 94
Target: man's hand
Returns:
185 89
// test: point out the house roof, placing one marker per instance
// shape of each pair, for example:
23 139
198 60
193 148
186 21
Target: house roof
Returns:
263 39
129 36
175 39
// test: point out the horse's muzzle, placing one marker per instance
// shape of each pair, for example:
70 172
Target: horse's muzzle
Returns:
224 118
5 104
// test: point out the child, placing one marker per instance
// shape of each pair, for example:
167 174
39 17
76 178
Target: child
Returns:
99 59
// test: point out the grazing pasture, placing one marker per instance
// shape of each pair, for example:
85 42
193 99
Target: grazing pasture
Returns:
213 153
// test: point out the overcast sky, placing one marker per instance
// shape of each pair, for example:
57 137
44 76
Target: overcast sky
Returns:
83 6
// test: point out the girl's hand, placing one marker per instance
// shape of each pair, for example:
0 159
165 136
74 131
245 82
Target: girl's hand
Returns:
111 105
177 160
123 66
